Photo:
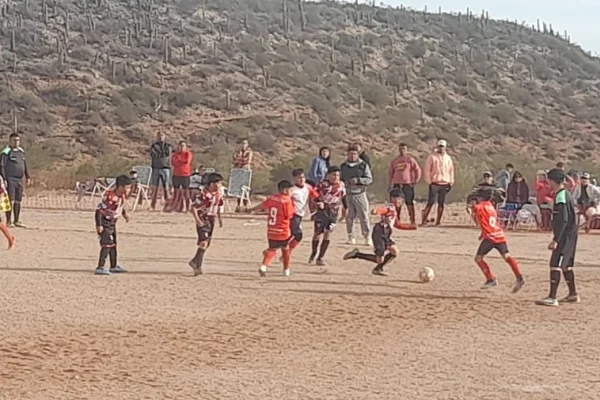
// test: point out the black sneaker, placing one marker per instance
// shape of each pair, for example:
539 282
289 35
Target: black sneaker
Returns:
351 254
379 272
518 284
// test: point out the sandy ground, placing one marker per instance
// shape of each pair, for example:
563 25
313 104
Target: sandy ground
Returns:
332 333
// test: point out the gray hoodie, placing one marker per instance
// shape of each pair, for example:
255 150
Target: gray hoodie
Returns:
359 170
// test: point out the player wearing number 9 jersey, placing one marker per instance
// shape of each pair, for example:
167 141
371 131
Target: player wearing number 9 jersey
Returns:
492 237
280 211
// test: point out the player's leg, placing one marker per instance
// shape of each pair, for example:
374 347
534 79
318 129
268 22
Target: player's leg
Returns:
319 229
568 273
399 208
114 262
324 246
106 244
557 261
513 264
9 236
10 189
17 203
286 256
203 233
268 257
484 248
390 255
297 234
431 197
344 208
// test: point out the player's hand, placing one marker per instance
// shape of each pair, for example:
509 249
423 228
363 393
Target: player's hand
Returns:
480 237
552 245
28 181
320 205
99 230
373 212
220 223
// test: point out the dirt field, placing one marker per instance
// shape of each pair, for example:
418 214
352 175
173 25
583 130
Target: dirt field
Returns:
333 333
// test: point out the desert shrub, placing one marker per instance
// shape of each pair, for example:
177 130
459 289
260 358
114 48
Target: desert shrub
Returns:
503 113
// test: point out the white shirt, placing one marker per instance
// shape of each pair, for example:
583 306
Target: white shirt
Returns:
300 196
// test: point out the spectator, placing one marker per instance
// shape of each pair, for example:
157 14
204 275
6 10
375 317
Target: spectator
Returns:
362 155
439 174
356 174
544 199
504 176
587 198
318 167
182 171
517 191
242 158
569 181
160 154
404 173
13 168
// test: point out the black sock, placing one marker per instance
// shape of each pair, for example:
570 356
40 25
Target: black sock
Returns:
324 247
8 217
315 248
387 259
554 281
199 258
570 278
17 210
367 257
113 256
103 255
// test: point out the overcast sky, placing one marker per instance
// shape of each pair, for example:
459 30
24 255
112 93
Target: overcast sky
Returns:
581 18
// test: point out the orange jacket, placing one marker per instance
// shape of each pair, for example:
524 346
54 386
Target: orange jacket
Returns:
182 163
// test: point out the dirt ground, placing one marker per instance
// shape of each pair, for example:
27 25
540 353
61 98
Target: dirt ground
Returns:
324 333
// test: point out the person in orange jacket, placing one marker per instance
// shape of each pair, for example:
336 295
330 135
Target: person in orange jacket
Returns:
181 162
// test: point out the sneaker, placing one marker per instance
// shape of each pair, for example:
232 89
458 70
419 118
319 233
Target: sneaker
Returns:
368 241
321 262
548 301
379 272
19 225
101 271
572 298
10 225
518 285
262 271
351 240
351 254
286 272
311 260
117 270
490 284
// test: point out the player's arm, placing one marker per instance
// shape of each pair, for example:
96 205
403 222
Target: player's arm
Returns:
379 211
260 206
98 218
125 215
196 216
219 213
561 217
367 178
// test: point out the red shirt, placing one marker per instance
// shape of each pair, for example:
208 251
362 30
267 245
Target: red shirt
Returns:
280 211
487 218
207 204
182 163
111 207
404 170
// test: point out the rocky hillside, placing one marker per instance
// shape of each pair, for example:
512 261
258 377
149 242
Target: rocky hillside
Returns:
86 80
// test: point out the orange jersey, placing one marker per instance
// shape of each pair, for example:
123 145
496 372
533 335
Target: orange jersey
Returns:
280 210
487 218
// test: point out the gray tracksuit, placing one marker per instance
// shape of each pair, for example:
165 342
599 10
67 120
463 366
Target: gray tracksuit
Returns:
356 195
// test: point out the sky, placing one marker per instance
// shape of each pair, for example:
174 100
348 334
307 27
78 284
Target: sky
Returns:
579 17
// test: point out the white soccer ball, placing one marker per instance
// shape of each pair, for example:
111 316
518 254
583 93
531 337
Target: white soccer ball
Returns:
426 274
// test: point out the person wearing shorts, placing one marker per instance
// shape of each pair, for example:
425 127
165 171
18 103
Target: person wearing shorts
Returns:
182 172
439 174
13 168
301 194
404 173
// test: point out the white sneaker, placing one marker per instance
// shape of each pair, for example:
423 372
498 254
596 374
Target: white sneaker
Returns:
368 241
286 272
262 271
351 240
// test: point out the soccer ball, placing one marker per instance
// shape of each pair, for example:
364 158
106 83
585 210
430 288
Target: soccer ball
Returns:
426 274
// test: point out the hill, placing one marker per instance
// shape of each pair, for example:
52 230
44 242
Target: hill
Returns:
87 81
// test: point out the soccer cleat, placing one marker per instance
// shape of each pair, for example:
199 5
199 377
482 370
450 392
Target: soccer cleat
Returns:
20 225
311 260
351 240
548 301
198 271
368 241
351 254
117 270
518 284
490 284
262 271
572 298
379 272
286 272
101 271
320 262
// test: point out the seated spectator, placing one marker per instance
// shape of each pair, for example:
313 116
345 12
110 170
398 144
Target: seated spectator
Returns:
544 199
517 191
587 198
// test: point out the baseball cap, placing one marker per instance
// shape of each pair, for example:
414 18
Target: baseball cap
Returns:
487 173
585 175
442 143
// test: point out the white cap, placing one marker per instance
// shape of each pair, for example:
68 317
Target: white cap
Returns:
585 175
442 143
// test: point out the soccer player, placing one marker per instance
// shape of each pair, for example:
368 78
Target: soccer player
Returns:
206 209
492 237
301 193
564 241
280 211
108 211
3 228
385 247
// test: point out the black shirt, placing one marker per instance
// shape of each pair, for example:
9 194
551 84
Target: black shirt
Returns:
564 217
13 164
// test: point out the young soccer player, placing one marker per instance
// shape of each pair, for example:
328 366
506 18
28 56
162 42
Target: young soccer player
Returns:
564 241
385 247
280 211
301 193
5 207
108 211
492 237
330 193
206 209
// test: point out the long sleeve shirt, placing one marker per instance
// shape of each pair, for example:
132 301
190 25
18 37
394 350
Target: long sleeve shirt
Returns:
439 169
404 170
318 170
543 192
357 170
182 163
160 153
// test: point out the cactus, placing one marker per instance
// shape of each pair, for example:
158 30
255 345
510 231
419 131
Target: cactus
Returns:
284 17
45 11
66 26
127 37
530 73
199 40
392 45
361 101
266 76
332 49
19 21
136 29
395 95
244 66
166 49
15 120
302 15
12 41
228 99
14 68
215 49
113 68
203 9
91 22
352 66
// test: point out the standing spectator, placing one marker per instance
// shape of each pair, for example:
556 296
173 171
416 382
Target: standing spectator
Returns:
404 173
362 155
504 176
182 172
587 199
569 181
544 199
318 167
356 174
242 158
517 191
13 168
160 153
439 174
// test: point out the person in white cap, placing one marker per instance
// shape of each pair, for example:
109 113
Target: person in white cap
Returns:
587 198
439 174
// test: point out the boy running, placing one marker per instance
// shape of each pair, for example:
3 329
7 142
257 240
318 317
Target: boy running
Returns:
5 208
206 209
301 193
564 241
329 194
108 211
382 236
280 211
492 237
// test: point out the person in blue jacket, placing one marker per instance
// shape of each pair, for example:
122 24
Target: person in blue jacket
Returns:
318 167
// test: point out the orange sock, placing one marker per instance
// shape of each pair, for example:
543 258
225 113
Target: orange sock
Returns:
485 268
514 265
268 257
293 244
286 255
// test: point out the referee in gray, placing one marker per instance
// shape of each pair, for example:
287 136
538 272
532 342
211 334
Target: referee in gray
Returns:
13 168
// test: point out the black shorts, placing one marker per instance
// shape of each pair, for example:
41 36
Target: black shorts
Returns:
296 225
564 254
409 193
382 239
437 192
487 245
181 182
14 189
278 244
205 231
108 237
324 221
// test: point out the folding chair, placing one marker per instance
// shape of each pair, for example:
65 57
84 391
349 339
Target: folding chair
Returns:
144 174
240 180
507 215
